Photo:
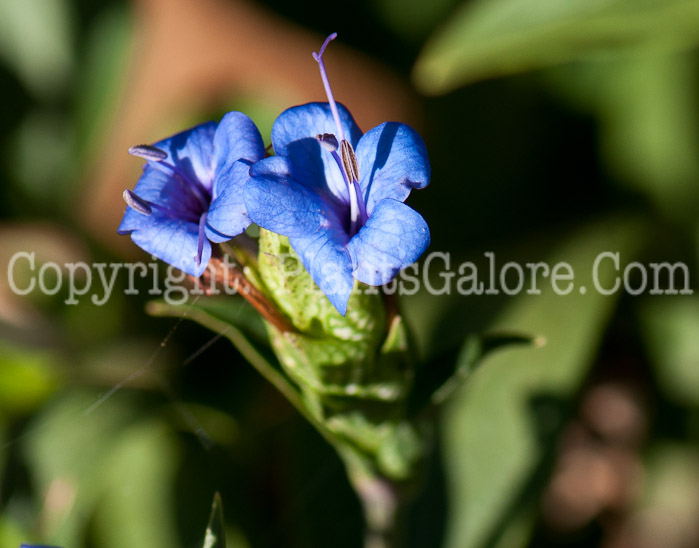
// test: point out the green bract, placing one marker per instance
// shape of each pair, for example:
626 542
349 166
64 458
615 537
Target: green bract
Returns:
354 372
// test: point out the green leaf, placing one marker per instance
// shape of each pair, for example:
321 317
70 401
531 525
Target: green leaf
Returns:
643 103
331 354
670 493
297 295
35 40
412 19
103 78
498 428
670 327
28 378
80 454
135 508
235 312
471 355
489 38
10 534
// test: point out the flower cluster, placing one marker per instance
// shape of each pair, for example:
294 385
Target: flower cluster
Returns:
336 193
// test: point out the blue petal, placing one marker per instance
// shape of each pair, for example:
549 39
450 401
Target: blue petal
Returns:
293 135
392 160
237 138
312 222
394 237
173 241
309 120
227 215
192 152
327 261
277 202
133 220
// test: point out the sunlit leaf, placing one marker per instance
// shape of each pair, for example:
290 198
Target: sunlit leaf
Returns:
35 40
10 534
493 428
671 328
488 38
28 377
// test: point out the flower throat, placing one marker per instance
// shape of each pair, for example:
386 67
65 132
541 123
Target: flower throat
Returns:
197 215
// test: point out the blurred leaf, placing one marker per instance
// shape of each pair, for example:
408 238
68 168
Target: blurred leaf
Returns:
488 38
137 506
471 355
36 41
671 334
40 155
412 18
491 442
28 377
649 123
235 312
79 453
263 112
438 379
10 535
102 79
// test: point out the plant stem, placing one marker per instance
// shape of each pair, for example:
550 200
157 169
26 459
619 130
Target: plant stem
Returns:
235 279
382 500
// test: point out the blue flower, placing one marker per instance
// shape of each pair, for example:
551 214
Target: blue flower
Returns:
190 192
342 211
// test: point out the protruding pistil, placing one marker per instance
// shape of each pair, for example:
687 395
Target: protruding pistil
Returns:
326 84
346 160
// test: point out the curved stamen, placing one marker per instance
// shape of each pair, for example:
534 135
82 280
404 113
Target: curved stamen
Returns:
326 84
148 152
358 214
346 160
146 207
349 161
137 203
155 157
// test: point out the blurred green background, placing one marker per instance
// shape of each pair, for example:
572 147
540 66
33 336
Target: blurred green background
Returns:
556 131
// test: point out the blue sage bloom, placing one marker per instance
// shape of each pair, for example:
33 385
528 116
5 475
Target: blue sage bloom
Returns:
190 192
342 211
